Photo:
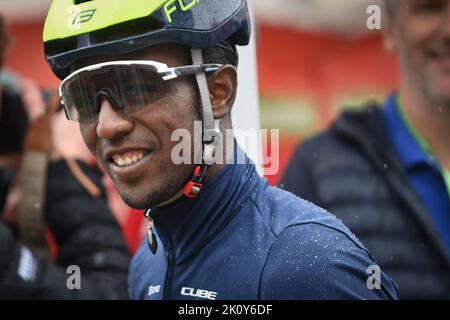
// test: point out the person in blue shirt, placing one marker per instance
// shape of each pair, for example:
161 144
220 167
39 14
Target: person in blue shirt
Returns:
217 231
385 172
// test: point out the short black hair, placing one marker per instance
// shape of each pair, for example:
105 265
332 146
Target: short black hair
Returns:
223 53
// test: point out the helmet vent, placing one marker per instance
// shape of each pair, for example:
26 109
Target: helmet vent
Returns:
125 30
57 46
77 2
113 33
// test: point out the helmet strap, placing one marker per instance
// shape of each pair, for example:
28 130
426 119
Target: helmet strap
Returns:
210 137
210 131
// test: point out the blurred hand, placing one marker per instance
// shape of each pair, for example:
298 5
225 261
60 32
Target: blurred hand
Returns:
32 99
67 140
39 134
49 130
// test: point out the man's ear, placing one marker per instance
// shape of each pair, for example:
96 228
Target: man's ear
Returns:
222 86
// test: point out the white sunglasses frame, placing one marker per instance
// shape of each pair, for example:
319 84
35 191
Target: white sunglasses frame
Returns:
167 73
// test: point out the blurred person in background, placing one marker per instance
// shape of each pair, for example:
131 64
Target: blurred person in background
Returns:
385 171
40 191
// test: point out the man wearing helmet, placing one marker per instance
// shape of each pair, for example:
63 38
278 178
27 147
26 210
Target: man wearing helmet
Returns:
136 71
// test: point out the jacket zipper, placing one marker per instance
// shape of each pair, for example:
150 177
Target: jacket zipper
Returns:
152 243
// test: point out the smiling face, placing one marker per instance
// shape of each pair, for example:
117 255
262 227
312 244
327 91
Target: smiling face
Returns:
419 31
135 150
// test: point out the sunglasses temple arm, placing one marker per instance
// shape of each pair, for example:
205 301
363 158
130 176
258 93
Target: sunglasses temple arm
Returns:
189 70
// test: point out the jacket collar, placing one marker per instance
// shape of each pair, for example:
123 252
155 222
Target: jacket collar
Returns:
407 146
186 225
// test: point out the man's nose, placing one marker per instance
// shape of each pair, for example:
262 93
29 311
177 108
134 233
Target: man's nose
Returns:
111 123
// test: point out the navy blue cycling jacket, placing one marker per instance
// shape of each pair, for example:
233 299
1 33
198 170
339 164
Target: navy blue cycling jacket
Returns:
242 239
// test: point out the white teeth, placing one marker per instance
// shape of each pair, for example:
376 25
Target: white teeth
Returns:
123 161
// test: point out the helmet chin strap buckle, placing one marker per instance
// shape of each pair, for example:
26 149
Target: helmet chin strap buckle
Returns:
195 185
192 189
